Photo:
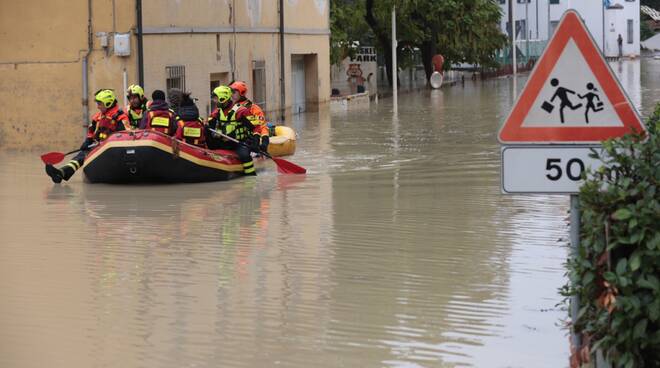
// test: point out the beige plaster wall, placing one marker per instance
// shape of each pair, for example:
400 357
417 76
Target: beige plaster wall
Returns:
199 54
299 14
41 68
41 102
202 41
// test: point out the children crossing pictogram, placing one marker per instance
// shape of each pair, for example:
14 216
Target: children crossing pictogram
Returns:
571 96
593 101
565 101
590 97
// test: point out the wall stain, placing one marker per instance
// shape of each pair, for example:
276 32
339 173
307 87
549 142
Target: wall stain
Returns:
254 12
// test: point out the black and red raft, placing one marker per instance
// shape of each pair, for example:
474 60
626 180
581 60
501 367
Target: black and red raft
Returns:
141 156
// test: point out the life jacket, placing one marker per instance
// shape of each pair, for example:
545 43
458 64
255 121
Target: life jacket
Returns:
107 124
232 127
135 116
255 114
159 120
191 132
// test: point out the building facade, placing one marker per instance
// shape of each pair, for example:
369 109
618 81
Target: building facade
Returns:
606 20
52 62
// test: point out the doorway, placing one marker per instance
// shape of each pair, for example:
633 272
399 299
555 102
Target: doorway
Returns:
298 83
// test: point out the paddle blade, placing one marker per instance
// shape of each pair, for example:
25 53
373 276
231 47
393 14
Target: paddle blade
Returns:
51 158
287 167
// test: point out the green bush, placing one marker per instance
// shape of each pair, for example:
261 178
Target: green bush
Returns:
616 273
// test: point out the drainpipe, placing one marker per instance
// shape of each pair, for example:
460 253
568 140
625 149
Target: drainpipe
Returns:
549 25
233 46
512 15
125 86
282 90
603 17
537 20
85 62
138 6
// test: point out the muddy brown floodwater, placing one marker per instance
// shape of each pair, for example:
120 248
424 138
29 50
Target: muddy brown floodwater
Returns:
397 249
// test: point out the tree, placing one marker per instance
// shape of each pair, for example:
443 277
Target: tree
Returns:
655 4
346 27
460 30
645 32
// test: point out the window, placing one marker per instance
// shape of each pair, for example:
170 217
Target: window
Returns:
521 29
554 1
553 26
259 83
630 31
176 77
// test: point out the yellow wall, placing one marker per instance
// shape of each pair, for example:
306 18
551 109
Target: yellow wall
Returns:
43 45
38 62
41 68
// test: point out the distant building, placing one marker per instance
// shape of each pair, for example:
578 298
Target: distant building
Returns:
537 19
56 54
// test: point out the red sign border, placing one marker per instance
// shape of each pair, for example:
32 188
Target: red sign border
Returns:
570 27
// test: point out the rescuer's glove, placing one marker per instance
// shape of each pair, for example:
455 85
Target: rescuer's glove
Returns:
264 143
254 143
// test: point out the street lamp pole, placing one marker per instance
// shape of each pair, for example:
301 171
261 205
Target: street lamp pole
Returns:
512 22
394 66
527 30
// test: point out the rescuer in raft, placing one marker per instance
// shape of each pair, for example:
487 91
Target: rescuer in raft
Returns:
190 127
137 105
255 114
159 116
231 120
108 120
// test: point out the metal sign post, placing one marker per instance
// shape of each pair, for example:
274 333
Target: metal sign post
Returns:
395 73
575 248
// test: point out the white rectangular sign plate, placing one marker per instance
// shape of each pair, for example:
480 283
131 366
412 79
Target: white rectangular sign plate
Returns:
545 169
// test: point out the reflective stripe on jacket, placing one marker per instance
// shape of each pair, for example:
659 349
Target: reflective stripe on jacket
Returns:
161 121
191 132
232 127
255 114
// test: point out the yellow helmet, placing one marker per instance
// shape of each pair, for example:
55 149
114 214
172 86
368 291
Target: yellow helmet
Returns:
106 97
223 93
134 89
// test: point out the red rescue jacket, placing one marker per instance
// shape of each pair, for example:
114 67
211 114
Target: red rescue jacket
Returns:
162 121
191 132
256 116
104 124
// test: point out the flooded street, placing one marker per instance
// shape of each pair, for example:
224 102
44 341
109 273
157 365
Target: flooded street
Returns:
397 249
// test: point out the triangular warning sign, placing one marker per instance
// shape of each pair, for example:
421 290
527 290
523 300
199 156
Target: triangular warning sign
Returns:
571 96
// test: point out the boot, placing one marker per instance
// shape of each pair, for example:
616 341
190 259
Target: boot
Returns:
248 168
67 172
55 174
